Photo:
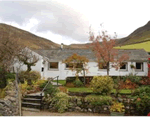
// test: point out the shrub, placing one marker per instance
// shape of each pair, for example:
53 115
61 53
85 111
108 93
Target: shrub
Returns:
24 88
78 83
50 90
127 85
30 77
132 78
40 83
2 93
117 107
142 99
61 102
69 85
102 84
63 89
70 79
145 81
10 76
99 100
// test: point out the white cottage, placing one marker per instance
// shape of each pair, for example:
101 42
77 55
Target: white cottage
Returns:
50 63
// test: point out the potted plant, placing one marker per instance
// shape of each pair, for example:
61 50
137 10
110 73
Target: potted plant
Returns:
132 66
117 109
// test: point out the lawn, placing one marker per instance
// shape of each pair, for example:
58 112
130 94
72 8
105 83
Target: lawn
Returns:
63 82
85 89
80 89
144 45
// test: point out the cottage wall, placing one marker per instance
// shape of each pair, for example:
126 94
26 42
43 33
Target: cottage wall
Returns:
63 72
93 70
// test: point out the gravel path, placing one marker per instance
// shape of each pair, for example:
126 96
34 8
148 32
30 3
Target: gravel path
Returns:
46 113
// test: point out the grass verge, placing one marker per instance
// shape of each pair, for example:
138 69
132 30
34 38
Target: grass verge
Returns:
88 90
63 82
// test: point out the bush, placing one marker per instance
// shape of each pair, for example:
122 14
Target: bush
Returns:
2 93
63 89
30 77
99 100
70 79
61 102
10 76
69 85
128 85
142 99
102 84
50 90
40 83
24 88
132 78
78 83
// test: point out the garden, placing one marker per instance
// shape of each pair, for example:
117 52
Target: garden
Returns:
111 95
127 95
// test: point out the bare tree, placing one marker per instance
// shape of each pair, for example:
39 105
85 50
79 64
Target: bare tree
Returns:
9 49
28 58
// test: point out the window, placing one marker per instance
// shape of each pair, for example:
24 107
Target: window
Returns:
102 66
70 65
139 66
42 69
123 66
53 65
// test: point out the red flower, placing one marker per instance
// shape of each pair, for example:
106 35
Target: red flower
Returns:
138 99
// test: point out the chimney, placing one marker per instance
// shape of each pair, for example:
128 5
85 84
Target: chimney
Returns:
61 45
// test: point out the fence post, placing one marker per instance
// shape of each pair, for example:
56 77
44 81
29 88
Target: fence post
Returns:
57 81
19 96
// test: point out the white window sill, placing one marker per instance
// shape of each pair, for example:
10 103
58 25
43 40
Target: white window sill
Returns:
123 70
102 69
53 69
138 70
67 69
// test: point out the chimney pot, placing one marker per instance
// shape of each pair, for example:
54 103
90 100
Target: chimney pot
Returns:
62 45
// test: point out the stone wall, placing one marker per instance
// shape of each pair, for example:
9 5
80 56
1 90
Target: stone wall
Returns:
81 105
9 106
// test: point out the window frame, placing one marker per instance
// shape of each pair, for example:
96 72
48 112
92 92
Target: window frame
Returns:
142 67
49 66
72 66
126 67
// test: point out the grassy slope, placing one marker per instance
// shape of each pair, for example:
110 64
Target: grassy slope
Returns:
144 45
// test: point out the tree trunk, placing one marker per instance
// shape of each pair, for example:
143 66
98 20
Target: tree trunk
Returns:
28 68
84 76
108 69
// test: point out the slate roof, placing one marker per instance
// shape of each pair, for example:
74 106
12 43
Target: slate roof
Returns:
62 54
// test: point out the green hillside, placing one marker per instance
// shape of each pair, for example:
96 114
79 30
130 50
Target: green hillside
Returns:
144 45
140 35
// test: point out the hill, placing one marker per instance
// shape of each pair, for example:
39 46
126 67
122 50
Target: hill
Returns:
26 38
141 34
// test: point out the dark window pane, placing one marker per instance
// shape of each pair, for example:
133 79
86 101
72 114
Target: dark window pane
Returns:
123 66
70 65
139 66
53 65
